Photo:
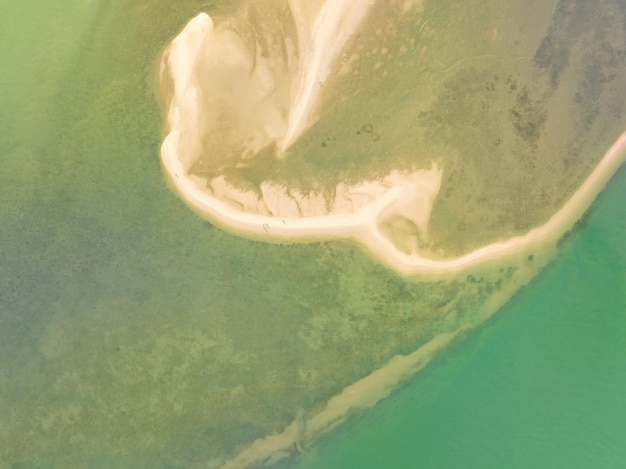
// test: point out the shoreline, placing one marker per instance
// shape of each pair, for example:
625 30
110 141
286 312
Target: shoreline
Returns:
363 394
368 391
362 227
363 223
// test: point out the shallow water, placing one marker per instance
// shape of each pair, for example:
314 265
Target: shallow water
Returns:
540 385
131 330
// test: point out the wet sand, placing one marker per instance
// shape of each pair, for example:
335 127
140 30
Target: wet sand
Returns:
246 214
277 216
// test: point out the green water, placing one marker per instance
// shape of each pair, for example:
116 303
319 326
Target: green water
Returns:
133 333
122 314
541 385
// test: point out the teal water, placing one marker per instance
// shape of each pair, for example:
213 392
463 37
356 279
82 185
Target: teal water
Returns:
133 333
128 326
540 385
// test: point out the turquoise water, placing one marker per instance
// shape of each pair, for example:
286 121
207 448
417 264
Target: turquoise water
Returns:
540 385
123 315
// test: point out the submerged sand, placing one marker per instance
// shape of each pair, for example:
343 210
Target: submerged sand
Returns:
389 215
366 392
129 318
367 211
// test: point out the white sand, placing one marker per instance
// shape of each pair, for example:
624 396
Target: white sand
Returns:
362 224
363 394
289 217
358 211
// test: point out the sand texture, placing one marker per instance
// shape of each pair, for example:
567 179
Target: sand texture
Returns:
388 215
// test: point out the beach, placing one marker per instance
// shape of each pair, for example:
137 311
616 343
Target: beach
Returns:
439 246
251 218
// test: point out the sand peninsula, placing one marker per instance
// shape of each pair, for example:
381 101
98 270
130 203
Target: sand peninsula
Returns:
274 104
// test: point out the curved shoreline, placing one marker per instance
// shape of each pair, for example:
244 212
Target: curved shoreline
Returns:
365 393
362 226
319 45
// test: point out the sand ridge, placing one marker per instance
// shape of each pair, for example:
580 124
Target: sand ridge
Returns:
373 388
357 213
278 220
363 394
320 44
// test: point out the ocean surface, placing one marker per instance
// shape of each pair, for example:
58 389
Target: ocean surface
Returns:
539 385
112 291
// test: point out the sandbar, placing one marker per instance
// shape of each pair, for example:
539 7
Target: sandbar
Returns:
280 215
360 395
362 226
407 194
